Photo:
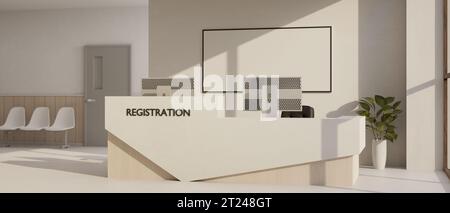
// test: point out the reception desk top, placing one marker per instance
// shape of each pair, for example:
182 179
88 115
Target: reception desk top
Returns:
198 145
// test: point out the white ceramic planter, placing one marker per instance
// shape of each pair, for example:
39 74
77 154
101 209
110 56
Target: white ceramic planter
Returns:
379 154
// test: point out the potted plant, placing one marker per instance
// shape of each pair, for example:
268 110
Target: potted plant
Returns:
381 113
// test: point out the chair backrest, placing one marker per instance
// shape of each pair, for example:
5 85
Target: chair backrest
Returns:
16 117
40 118
65 118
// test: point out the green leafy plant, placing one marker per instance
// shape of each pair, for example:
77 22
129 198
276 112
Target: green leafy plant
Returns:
381 113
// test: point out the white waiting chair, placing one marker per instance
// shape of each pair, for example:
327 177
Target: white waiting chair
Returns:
65 121
15 120
39 120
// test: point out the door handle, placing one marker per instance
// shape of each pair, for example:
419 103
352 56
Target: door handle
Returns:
90 100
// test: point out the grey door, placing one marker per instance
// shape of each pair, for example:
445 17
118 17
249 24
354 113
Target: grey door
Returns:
107 73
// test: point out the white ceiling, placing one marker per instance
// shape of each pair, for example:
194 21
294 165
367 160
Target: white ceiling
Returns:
7 5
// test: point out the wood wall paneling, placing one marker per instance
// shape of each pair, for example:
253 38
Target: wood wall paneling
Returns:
70 101
75 136
19 101
79 103
39 137
59 102
29 106
50 102
8 104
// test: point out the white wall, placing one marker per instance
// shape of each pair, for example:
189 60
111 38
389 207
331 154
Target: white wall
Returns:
382 65
369 55
424 85
176 29
41 51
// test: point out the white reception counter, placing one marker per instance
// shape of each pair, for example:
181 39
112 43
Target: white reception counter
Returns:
201 146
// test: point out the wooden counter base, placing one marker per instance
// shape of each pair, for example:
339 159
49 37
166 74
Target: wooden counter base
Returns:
125 163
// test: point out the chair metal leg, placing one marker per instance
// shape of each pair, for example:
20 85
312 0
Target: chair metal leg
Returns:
7 139
66 145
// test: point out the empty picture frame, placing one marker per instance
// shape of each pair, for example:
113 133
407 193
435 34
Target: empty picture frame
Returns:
284 51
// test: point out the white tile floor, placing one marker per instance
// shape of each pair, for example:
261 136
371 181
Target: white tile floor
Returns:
82 169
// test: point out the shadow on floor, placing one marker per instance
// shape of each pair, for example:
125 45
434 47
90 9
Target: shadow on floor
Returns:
73 166
445 182
70 153
402 179
4 150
